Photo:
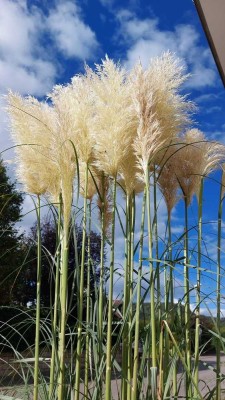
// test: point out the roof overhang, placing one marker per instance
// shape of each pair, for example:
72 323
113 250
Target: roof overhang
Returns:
212 16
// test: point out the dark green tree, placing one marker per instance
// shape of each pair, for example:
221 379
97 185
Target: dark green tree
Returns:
11 253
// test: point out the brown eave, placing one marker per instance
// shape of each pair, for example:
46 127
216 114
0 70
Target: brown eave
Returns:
209 28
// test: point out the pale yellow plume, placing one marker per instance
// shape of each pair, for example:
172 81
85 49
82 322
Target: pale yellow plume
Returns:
114 126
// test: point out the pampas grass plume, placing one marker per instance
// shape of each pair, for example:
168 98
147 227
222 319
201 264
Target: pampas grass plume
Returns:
114 126
31 127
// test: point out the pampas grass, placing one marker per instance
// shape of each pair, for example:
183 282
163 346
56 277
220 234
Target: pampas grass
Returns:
105 130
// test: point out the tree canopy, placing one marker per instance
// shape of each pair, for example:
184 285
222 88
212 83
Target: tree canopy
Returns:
10 241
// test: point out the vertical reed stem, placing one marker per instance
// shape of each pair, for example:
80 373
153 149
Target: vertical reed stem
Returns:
56 303
126 299
63 312
110 301
130 333
172 301
198 296
101 282
157 254
187 304
101 278
81 295
152 353
38 301
138 305
218 291
87 341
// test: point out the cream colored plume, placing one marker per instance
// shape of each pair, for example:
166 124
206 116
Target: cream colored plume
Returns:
161 110
74 103
91 183
74 107
196 158
63 147
167 178
32 125
130 172
165 77
114 123
147 140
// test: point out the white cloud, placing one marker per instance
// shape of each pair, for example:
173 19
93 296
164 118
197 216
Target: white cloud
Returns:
24 66
29 65
208 97
213 109
145 40
72 36
33 79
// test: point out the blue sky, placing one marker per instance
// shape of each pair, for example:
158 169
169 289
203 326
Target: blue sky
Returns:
46 42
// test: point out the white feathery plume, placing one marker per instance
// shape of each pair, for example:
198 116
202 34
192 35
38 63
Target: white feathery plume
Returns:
160 109
114 125
75 101
129 177
32 125
196 158
63 147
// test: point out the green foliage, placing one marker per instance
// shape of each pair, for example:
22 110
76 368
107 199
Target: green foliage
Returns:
11 251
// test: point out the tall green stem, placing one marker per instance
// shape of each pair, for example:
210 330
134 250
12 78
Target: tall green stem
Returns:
38 301
126 299
138 305
81 295
218 291
63 312
110 302
131 262
101 285
168 287
158 286
153 352
88 303
198 296
101 277
56 303
172 300
187 304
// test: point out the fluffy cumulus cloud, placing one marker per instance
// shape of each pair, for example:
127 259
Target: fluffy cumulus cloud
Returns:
144 40
23 65
72 36
28 62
